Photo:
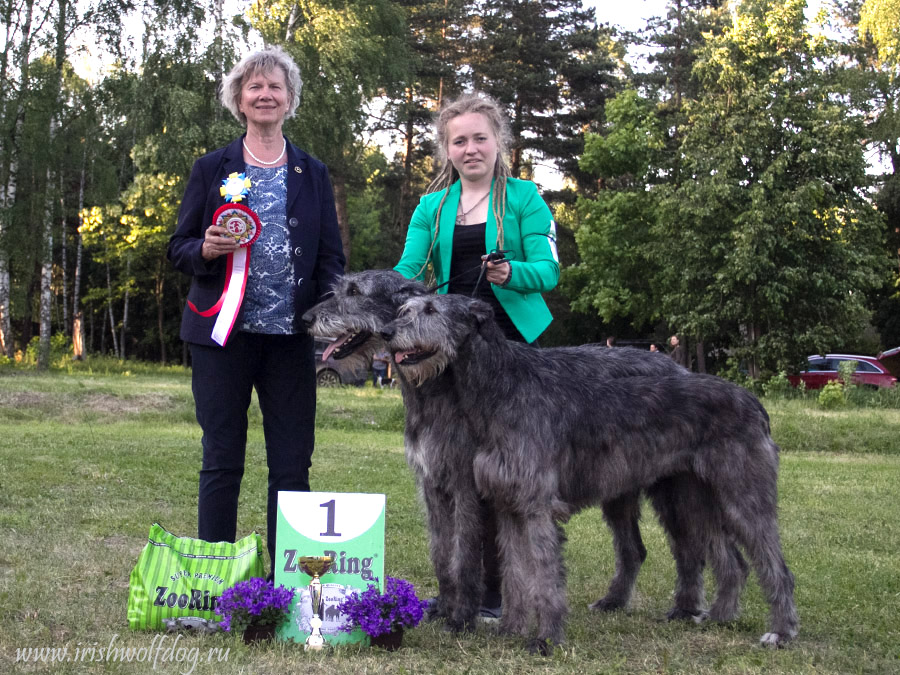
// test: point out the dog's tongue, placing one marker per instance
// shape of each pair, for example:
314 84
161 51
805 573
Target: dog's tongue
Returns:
399 357
334 345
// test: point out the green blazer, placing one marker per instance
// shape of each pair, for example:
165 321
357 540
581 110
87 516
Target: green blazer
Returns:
529 232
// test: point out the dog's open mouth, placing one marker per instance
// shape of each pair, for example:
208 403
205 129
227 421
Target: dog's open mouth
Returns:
413 356
345 345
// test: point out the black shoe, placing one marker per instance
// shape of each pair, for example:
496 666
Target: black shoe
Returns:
487 614
431 610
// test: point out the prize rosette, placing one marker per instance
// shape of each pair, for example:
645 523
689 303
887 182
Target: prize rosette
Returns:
243 225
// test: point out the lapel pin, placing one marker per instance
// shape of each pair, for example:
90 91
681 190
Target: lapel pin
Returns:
298 169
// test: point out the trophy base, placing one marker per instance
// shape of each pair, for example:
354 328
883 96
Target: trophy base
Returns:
314 645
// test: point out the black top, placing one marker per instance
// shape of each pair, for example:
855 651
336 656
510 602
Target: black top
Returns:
465 261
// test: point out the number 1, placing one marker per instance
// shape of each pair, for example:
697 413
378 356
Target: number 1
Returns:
329 527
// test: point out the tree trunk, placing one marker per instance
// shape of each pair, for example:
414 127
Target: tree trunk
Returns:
8 141
515 159
47 258
112 329
6 339
340 204
753 335
46 297
64 260
90 345
408 138
76 290
219 53
124 328
160 287
701 356
109 307
78 337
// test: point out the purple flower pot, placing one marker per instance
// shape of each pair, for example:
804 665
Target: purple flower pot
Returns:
389 641
258 633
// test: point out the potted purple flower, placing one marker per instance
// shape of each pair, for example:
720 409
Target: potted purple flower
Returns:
383 616
254 608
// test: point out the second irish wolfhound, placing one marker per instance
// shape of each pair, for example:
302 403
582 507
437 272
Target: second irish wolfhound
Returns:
548 437
363 302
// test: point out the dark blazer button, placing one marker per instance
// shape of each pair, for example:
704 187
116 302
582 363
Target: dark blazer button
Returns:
298 251
293 222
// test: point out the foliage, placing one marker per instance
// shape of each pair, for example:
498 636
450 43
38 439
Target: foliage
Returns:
871 83
253 602
832 395
846 369
881 20
379 613
778 386
722 195
768 240
548 63
614 230
60 350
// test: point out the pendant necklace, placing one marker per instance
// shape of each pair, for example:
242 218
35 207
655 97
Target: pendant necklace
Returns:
461 217
257 159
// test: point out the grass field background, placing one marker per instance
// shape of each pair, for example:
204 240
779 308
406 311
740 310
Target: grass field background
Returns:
88 460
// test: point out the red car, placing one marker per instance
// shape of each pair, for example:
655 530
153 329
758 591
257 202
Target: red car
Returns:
870 371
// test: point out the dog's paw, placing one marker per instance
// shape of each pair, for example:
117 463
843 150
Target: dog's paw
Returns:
679 614
774 640
538 646
607 604
724 615
455 626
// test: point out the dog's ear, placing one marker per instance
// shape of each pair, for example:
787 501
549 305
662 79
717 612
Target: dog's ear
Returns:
407 291
481 312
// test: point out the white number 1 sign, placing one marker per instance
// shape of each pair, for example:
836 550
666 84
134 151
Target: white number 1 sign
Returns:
348 528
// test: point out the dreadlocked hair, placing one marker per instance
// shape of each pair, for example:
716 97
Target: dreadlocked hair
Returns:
448 175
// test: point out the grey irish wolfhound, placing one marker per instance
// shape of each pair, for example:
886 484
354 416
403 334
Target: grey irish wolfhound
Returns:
547 437
364 302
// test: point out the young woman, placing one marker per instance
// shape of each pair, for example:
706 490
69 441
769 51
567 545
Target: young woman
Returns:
473 208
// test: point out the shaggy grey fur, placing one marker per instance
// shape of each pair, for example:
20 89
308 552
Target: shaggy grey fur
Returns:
363 302
546 437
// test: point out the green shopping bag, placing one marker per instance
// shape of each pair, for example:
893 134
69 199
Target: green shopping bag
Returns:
178 578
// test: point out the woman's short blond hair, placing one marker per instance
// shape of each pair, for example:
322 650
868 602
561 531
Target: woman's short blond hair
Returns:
263 61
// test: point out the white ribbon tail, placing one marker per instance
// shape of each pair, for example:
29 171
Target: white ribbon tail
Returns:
234 295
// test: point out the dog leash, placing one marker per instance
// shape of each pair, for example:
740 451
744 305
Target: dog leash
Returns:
495 256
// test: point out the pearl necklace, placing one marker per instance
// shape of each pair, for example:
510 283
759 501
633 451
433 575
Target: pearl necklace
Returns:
257 159
461 217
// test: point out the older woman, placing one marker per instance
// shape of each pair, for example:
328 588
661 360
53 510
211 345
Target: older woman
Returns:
239 342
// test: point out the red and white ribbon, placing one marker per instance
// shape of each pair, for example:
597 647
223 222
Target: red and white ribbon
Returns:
244 225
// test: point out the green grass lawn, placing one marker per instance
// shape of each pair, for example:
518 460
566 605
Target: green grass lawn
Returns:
88 461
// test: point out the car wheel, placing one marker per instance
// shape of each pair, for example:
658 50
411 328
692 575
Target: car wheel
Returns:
328 378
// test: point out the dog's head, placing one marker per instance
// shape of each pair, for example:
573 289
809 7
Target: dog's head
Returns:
360 304
429 330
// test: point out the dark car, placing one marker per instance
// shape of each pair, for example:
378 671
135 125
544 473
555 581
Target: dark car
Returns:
870 372
334 372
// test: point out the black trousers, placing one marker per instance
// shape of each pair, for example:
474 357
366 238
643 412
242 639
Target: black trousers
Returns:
282 369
